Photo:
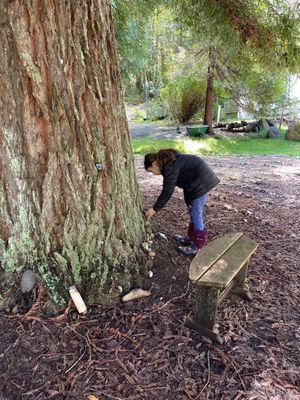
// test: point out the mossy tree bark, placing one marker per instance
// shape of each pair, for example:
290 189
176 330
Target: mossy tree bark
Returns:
61 112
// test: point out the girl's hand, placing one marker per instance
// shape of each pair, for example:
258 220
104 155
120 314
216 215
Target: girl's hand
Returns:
150 213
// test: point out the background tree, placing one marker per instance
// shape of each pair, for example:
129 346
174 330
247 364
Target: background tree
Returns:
132 27
228 43
262 32
70 206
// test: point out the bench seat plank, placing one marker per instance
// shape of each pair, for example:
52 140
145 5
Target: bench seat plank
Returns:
210 254
227 267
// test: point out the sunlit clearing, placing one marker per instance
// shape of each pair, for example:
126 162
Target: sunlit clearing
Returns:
193 146
286 170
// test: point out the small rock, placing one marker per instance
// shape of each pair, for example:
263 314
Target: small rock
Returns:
120 289
15 309
51 309
150 273
228 206
92 397
145 247
28 281
136 294
151 254
277 325
161 236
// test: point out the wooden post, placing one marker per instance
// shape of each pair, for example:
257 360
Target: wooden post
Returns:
240 278
219 113
206 305
239 285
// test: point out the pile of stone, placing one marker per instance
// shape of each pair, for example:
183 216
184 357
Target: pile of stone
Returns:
262 125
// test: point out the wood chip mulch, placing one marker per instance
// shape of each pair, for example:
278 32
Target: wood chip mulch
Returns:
141 350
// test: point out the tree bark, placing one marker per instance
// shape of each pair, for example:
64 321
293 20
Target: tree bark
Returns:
70 205
139 84
209 99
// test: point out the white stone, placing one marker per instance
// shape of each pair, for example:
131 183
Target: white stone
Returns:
28 281
136 294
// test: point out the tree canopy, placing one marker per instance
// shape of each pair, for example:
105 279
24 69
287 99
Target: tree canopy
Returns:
255 45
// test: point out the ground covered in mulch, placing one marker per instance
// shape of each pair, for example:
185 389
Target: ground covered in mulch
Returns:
141 350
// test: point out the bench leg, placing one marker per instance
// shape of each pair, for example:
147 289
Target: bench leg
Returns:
239 286
205 313
193 324
206 305
240 278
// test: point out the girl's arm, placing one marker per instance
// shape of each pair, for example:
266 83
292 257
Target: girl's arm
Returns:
170 179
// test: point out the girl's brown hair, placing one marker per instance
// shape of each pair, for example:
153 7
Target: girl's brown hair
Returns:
162 157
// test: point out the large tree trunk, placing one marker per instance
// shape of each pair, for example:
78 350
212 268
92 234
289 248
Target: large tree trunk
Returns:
209 99
61 112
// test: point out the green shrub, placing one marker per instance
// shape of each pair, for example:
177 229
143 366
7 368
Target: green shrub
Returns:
139 115
262 134
184 97
155 110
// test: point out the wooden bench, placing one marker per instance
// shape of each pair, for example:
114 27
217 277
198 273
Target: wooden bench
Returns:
218 269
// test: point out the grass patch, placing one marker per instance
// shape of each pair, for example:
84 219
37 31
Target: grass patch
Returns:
212 146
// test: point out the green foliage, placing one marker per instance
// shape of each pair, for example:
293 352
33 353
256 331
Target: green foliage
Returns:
184 97
262 134
255 46
139 115
268 29
133 40
257 89
155 110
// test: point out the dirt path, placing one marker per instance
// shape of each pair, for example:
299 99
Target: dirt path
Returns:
142 351
153 130
139 130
